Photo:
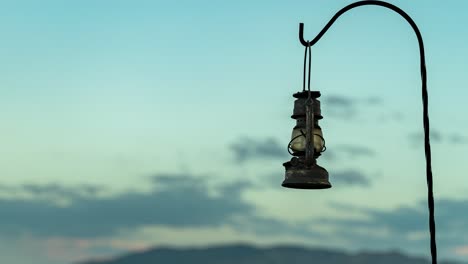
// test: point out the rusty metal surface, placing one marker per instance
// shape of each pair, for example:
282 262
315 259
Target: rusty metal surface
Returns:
309 150
302 171
299 176
300 108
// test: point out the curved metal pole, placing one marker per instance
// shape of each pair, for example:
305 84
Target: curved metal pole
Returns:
427 146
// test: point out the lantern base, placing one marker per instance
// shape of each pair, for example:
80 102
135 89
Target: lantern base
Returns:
298 176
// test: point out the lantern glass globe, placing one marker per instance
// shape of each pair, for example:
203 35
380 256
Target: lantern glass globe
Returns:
298 143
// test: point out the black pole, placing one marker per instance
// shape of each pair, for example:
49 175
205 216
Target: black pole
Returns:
427 145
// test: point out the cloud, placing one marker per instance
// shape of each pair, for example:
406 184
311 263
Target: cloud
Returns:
339 106
418 137
178 201
457 139
349 152
438 137
339 100
349 177
374 100
405 226
53 193
355 151
48 189
347 107
245 149
174 201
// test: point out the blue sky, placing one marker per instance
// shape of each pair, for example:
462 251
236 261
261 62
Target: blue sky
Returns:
111 110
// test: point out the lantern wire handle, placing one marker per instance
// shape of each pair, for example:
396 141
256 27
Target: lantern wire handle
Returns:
427 145
310 64
305 68
307 52
309 105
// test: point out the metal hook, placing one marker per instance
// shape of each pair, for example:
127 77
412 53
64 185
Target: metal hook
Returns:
301 35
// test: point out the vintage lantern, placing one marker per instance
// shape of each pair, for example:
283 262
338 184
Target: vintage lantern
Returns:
306 145
307 142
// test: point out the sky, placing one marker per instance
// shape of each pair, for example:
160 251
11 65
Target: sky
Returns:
132 124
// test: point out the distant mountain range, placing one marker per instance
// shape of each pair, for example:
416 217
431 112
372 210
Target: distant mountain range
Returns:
247 254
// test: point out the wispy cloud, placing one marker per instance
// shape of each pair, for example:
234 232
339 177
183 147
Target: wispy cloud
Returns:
174 201
405 226
438 137
248 149
349 177
245 149
349 152
346 107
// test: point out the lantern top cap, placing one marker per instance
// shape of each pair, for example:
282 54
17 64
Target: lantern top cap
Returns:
305 94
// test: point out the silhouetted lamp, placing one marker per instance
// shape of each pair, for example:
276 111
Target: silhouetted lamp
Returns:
307 141
306 145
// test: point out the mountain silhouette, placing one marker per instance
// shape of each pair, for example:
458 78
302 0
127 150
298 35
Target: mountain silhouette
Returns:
247 254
